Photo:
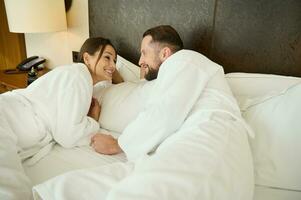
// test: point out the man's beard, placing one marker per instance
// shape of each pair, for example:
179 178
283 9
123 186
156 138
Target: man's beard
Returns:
151 74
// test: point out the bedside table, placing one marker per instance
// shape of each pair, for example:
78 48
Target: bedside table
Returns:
15 81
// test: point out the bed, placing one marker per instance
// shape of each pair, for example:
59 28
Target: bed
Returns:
275 154
257 39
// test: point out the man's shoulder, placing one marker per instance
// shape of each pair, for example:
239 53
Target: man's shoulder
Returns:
191 62
186 53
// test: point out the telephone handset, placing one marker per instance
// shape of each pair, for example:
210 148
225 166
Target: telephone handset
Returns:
27 64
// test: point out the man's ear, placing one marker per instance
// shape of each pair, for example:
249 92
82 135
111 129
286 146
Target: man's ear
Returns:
165 53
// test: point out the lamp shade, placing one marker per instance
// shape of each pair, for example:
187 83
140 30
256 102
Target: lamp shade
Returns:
32 16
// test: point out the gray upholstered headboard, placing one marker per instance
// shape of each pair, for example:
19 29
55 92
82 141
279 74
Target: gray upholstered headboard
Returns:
262 36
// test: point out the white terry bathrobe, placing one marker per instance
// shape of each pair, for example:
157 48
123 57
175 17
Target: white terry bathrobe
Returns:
189 142
53 108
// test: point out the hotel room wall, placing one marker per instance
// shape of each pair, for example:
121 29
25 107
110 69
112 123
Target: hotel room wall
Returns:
56 47
125 21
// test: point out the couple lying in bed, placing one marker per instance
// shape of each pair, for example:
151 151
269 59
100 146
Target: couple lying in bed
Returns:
189 141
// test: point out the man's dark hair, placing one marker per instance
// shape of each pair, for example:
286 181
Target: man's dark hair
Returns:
166 35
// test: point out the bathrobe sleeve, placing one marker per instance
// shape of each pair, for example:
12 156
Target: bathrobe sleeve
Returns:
72 125
180 82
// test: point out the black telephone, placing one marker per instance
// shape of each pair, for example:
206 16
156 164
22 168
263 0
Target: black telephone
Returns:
27 64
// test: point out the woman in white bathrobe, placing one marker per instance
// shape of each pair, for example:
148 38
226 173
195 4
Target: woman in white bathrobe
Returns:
55 108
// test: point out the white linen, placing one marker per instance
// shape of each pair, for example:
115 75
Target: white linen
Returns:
99 89
271 105
121 103
250 87
199 172
276 148
205 156
54 107
127 70
87 184
270 193
63 160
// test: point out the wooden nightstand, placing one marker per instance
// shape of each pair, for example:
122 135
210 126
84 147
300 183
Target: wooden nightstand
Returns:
14 81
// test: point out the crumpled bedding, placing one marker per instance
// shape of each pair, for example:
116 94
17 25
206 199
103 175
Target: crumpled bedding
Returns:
201 151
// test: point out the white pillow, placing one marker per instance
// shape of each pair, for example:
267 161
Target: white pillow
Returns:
121 103
127 70
248 87
272 107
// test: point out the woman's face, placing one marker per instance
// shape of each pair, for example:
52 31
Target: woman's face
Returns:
105 66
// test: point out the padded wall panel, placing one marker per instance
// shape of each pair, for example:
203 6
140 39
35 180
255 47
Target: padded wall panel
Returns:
242 35
124 21
258 36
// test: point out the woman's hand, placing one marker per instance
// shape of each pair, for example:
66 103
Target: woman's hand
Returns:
95 109
117 78
105 144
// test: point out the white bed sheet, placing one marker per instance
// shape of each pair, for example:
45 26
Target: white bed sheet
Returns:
268 193
61 160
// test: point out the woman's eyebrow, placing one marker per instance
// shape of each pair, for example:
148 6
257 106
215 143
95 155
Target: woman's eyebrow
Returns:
108 53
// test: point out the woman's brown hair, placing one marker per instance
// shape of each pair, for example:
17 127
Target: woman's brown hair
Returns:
92 45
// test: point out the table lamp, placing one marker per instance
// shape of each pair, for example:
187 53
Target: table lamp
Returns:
34 16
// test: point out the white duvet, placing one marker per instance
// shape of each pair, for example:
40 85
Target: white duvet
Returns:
189 142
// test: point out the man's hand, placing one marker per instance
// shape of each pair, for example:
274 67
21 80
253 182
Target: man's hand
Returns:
105 144
94 110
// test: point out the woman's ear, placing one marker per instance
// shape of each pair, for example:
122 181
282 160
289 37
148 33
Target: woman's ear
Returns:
165 53
86 58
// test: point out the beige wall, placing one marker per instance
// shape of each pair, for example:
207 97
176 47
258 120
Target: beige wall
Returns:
56 47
